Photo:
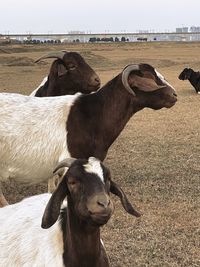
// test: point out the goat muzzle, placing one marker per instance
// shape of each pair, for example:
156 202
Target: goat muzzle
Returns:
100 208
94 83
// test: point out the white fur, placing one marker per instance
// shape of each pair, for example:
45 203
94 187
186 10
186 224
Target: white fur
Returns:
23 243
94 166
163 79
32 136
42 83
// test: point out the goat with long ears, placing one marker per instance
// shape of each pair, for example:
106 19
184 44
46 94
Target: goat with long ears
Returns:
71 216
36 133
69 74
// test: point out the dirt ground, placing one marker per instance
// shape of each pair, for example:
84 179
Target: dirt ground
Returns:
156 159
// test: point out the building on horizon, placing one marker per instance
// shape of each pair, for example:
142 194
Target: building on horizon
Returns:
194 29
182 29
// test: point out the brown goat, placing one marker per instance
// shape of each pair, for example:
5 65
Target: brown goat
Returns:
96 120
87 185
69 74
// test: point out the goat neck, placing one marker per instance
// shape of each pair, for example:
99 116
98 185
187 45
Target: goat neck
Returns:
118 106
100 117
195 80
81 242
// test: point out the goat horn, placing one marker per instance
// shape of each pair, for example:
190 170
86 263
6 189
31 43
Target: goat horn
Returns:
58 54
64 163
126 71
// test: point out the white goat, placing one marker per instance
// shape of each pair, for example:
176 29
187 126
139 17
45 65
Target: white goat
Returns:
37 133
23 242
73 234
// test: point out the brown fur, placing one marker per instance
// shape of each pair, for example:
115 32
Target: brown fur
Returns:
96 120
69 76
88 207
192 76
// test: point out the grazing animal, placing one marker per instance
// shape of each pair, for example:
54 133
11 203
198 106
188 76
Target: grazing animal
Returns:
192 76
37 133
71 234
69 74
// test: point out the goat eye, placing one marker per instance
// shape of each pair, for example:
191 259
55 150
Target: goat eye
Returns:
72 67
72 182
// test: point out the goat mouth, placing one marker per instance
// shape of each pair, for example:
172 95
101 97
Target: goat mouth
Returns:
171 103
174 99
181 78
100 219
94 87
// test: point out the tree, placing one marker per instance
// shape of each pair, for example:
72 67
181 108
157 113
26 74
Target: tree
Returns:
92 39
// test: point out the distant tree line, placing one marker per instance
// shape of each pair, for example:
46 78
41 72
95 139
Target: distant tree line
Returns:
41 42
108 39
91 40
142 39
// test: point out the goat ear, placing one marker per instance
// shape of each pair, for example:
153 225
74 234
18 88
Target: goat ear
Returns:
61 70
57 69
52 209
116 190
144 84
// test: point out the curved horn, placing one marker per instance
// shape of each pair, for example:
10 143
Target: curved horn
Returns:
64 163
58 54
126 71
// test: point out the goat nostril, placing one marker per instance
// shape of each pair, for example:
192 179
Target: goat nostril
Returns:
174 94
104 204
101 203
97 80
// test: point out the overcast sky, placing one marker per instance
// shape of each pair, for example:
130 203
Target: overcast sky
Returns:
62 16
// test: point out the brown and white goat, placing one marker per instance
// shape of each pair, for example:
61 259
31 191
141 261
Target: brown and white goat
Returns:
69 74
72 235
37 133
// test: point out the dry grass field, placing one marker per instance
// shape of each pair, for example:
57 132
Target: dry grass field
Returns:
156 159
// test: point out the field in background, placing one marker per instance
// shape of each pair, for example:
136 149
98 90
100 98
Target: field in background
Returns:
156 159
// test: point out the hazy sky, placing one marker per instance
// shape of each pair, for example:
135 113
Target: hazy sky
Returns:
61 16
